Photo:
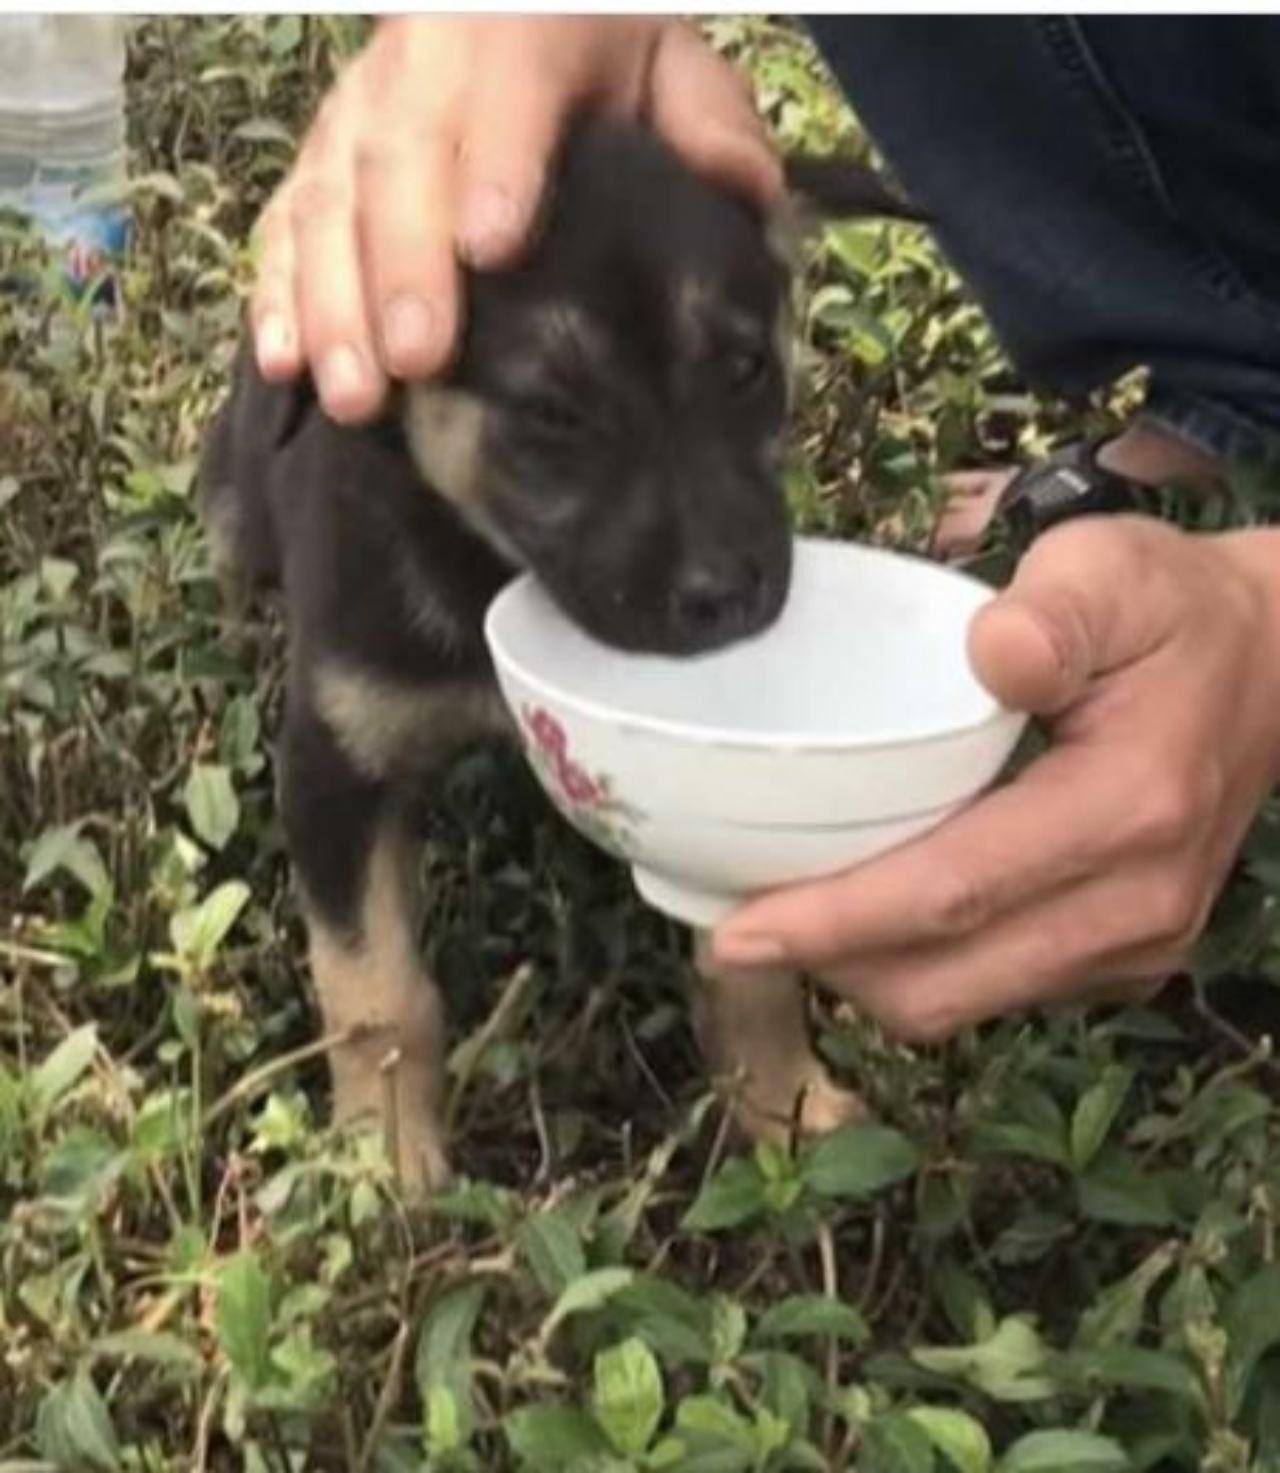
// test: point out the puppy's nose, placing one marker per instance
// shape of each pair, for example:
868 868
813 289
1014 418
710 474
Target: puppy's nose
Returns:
715 600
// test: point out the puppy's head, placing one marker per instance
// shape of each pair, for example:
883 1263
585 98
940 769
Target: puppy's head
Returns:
615 418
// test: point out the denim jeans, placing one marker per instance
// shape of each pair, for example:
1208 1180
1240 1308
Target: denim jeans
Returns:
1109 188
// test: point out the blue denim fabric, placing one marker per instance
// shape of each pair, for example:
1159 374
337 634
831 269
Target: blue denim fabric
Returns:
1108 187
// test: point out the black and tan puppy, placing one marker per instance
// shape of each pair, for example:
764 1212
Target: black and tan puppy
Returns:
615 421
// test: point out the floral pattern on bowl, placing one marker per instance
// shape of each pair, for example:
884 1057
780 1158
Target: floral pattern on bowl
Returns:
586 799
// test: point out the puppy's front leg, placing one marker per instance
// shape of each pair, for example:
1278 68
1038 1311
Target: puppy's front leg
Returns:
753 1029
351 859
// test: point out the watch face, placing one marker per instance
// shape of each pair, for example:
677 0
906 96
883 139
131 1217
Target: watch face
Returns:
1059 488
1042 497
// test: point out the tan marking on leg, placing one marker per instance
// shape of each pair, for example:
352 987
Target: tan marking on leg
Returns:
374 992
385 726
752 1027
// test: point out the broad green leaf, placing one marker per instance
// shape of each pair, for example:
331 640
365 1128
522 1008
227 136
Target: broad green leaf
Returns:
552 1250
549 1439
442 1423
589 1292
627 1396
212 805
1064 1452
672 1322
1252 1323
858 1161
1135 1368
810 1314
965 1301
1115 1190
714 1419
962 1441
197 933
58 576
307 1369
81 1166
732 1197
240 735
1096 1112
64 848
691 1453
788 1385
62 1069
1117 1313
1008 1366
244 1317
894 1444
154 1347
728 1328
74 1429
1031 1123
443 1357
1266 1424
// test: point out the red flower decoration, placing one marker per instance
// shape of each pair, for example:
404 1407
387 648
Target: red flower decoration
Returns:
578 786
546 731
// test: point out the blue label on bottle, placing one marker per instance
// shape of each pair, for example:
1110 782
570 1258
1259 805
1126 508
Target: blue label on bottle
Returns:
92 241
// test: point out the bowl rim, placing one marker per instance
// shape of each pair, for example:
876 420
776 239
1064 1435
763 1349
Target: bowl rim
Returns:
686 734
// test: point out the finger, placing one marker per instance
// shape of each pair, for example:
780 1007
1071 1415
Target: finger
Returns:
272 314
980 485
1059 822
515 119
1100 938
961 528
405 185
334 319
704 107
1088 599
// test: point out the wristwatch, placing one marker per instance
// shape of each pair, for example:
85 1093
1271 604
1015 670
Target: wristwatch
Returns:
1070 483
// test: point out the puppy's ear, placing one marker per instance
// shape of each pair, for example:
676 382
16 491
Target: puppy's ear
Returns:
265 416
832 189
825 190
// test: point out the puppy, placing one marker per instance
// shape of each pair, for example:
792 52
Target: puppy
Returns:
615 421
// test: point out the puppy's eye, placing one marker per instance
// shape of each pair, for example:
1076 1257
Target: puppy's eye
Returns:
552 416
746 367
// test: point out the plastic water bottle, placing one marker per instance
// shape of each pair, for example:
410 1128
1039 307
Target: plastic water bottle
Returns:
63 159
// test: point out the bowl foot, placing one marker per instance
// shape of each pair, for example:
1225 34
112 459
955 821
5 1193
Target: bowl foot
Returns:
702 909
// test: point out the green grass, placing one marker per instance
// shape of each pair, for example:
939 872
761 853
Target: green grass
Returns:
1057 1253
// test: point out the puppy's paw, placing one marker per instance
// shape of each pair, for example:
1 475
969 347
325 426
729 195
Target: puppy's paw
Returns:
411 1134
783 1106
423 1164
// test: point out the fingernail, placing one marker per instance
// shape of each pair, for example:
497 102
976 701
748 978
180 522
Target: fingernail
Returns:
341 377
408 334
747 950
489 222
276 344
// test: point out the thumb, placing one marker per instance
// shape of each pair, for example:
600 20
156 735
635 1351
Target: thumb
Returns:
1083 603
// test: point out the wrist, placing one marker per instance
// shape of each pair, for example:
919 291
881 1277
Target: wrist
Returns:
1254 554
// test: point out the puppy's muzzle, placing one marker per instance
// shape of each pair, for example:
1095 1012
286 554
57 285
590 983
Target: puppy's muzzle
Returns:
715 600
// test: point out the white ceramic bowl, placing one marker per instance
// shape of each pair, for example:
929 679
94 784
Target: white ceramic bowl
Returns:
851 725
